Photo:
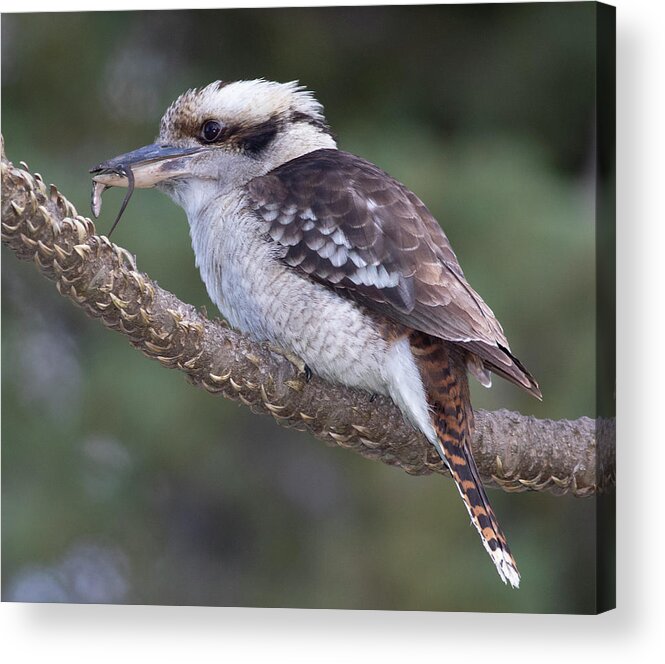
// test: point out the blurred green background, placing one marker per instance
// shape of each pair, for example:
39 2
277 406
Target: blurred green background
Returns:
121 483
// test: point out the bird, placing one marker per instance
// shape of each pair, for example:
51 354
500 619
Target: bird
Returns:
321 253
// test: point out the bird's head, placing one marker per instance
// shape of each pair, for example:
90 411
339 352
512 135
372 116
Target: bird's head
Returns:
219 137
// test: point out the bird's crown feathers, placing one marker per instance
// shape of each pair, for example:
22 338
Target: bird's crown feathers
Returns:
240 104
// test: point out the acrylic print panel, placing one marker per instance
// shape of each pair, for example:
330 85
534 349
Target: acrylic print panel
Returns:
122 483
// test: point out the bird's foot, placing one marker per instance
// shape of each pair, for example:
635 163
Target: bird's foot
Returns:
297 362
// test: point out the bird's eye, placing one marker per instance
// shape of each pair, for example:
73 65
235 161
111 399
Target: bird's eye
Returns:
211 130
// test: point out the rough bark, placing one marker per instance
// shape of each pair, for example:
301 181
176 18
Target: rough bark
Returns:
512 451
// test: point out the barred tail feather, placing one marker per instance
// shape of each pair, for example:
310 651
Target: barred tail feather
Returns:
464 472
443 370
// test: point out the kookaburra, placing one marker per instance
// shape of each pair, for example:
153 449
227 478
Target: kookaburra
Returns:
326 256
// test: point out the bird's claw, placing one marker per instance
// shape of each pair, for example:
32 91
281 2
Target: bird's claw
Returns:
295 361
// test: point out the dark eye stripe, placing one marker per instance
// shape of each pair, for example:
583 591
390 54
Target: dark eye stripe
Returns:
258 137
251 139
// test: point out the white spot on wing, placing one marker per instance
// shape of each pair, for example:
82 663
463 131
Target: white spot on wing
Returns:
270 214
327 250
357 260
373 275
370 275
386 279
339 257
355 278
339 238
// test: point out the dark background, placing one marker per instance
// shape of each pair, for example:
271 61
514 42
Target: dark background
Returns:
121 483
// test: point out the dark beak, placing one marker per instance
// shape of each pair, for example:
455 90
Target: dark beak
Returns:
150 165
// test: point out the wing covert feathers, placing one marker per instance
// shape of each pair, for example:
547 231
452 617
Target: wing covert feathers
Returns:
349 225
443 369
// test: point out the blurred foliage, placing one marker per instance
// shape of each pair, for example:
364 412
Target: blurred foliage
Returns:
121 483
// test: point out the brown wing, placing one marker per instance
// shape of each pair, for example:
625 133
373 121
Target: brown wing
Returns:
348 224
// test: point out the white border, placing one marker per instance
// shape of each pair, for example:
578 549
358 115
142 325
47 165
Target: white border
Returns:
70 633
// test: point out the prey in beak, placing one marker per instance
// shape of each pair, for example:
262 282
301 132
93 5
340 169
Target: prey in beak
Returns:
142 168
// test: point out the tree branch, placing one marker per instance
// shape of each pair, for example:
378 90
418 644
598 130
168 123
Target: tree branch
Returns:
512 451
